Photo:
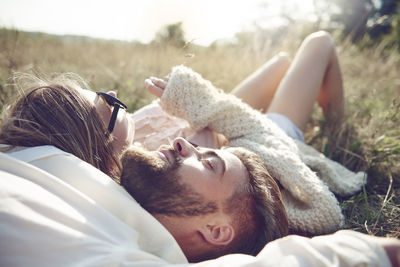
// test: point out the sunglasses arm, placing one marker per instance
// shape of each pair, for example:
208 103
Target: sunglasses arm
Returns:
113 118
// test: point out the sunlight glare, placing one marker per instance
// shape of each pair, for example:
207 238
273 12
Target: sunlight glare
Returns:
204 21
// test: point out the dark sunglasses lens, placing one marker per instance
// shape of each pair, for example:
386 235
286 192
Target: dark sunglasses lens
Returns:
111 100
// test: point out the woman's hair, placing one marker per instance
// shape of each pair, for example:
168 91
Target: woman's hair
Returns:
55 112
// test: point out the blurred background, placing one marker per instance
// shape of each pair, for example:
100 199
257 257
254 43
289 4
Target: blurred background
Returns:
115 45
203 22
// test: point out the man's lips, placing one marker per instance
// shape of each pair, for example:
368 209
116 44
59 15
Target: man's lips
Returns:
165 155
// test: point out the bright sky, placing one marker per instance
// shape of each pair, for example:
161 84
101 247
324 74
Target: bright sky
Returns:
204 21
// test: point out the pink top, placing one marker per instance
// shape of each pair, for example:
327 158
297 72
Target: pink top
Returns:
154 127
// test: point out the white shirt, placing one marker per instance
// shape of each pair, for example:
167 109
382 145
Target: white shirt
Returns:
56 210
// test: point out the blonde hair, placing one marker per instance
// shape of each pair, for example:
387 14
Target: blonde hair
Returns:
54 112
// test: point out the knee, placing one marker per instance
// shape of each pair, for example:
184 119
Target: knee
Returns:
320 40
283 59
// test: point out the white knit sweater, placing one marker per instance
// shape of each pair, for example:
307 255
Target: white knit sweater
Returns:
310 204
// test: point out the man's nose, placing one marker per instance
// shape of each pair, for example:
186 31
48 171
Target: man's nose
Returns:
183 147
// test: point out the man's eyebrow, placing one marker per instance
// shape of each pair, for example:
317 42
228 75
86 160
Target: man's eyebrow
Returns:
215 154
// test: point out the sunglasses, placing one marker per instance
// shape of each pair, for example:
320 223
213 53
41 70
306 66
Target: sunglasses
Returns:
116 104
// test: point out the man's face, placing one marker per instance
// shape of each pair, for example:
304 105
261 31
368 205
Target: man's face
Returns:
182 180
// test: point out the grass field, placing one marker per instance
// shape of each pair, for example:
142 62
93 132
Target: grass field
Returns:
369 140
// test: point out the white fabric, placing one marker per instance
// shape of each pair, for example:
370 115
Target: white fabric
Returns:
77 216
78 210
154 127
344 248
286 125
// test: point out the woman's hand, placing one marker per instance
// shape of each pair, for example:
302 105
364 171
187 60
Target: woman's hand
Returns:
155 85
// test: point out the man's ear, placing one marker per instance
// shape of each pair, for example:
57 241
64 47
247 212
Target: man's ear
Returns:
218 234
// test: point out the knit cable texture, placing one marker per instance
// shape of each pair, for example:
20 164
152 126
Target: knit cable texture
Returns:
310 204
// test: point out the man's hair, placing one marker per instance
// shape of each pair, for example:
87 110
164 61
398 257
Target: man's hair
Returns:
255 207
54 112
257 211
157 189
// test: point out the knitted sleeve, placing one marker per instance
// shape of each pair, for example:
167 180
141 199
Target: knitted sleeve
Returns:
311 207
340 180
189 96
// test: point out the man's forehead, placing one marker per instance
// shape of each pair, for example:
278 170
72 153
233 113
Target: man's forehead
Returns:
235 168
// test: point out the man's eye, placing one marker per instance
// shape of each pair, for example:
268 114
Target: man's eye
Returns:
208 163
193 144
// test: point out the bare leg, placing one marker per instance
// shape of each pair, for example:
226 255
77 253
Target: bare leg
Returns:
313 75
331 96
259 88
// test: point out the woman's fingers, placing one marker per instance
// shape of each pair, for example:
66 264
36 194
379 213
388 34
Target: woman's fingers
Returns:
153 88
159 82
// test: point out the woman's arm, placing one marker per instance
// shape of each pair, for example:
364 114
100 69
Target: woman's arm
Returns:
311 206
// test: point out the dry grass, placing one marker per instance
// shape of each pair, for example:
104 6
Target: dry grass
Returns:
369 140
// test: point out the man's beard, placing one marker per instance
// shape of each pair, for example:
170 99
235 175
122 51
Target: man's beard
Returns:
157 187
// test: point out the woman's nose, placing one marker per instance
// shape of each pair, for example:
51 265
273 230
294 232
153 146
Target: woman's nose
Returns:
183 147
112 93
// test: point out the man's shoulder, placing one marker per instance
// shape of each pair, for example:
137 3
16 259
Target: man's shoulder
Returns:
71 195
29 154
